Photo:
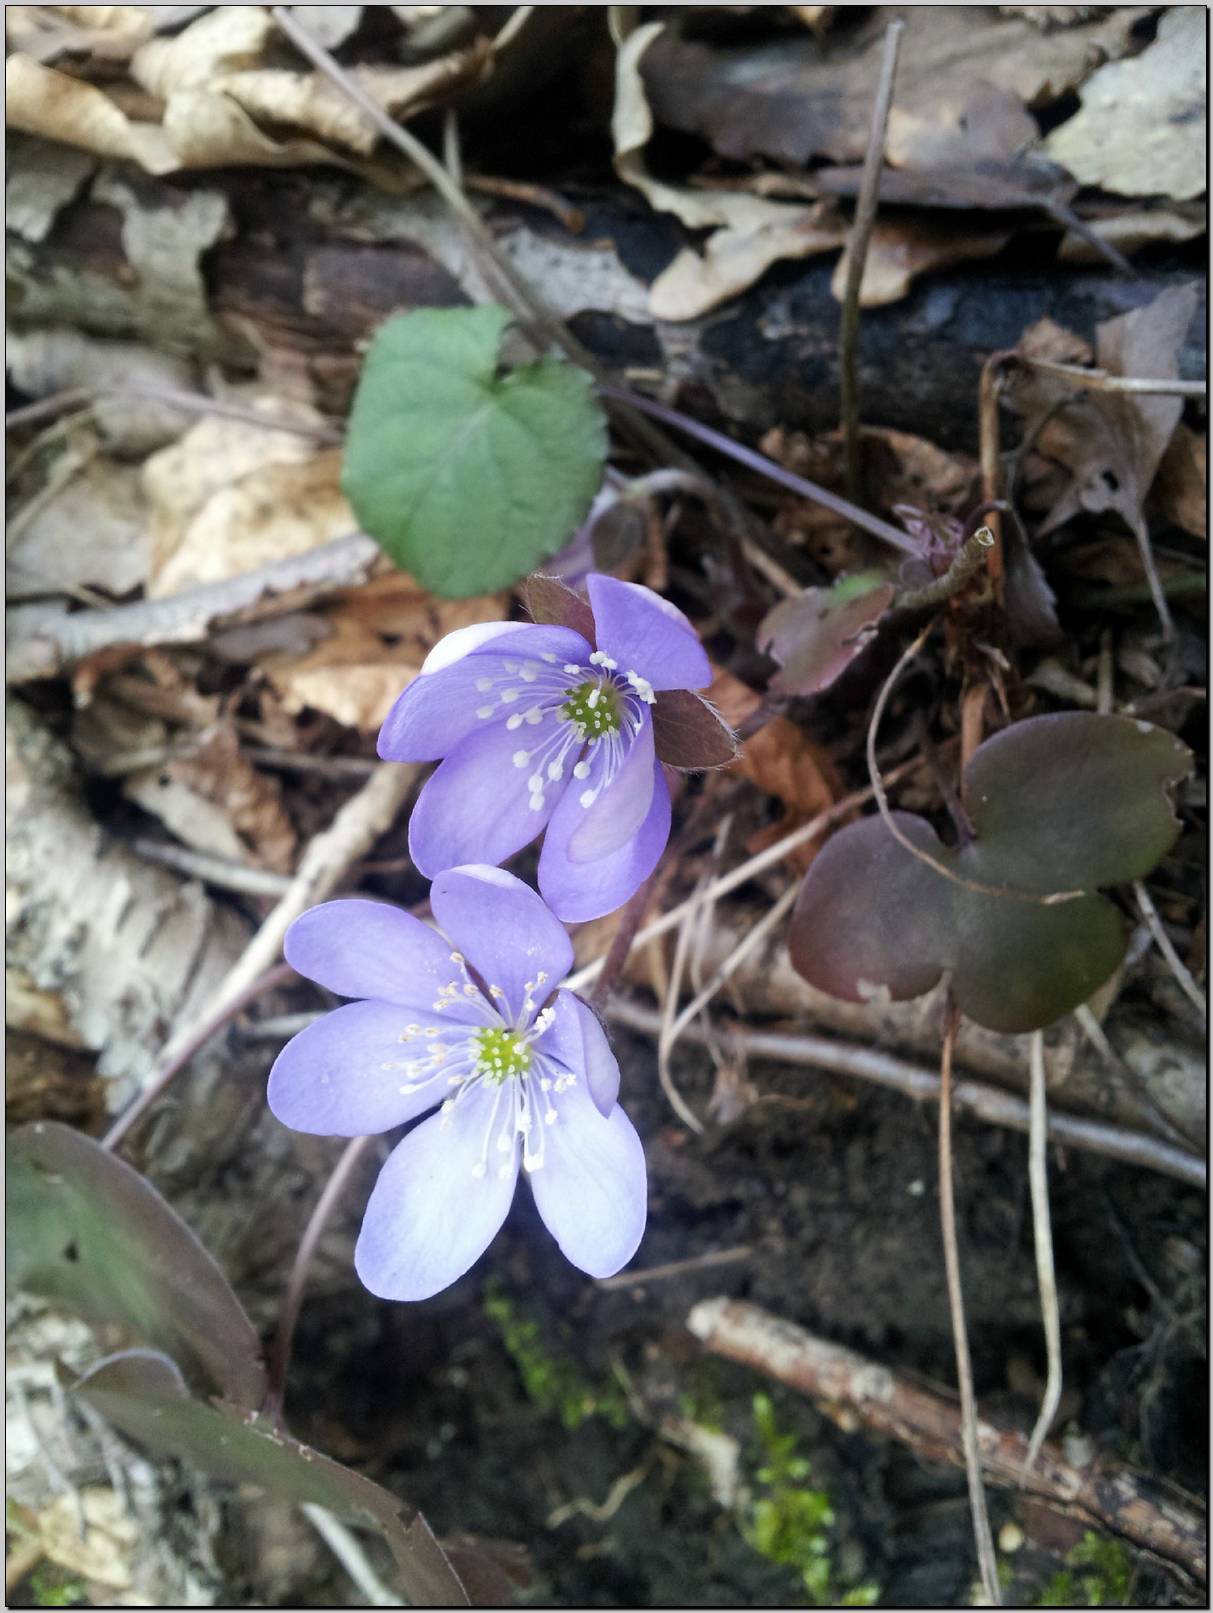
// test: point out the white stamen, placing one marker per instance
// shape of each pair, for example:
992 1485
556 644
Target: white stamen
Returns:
588 797
521 758
555 770
581 770
484 684
484 711
514 722
508 696
536 803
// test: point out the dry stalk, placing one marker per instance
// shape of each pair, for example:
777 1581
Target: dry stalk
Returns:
1042 1236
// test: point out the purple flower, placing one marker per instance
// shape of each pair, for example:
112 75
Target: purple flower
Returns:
521 1074
548 727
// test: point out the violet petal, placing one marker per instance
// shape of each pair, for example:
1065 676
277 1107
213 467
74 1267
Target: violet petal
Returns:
504 930
430 1215
577 1042
577 891
592 1189
646 634
369 949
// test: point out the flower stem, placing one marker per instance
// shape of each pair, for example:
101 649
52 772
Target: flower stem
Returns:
616 959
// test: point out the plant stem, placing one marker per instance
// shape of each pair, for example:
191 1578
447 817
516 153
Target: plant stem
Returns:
857 255
960 1337
968 562
621 944
1042 1236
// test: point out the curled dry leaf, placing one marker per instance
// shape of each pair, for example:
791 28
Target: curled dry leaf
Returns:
104 500
1181 487
816 637
903 248
378 637
228 497
1060 804
1140 130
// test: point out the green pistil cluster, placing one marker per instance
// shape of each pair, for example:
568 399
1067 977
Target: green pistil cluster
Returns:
500 1054
594 707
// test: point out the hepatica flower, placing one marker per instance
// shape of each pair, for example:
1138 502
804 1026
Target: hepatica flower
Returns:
551 726
519 1074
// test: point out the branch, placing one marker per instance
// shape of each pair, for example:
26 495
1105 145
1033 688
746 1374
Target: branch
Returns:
1164 1522
188 617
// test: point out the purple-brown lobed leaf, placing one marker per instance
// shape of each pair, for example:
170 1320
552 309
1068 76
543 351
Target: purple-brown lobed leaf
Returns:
1060 804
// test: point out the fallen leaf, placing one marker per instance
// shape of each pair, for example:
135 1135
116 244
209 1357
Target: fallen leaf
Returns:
1140 130
89 1532
104 500
751 232
39 181
102 33
378 637
902 248
798 97
1181 485
228 497
1135 227
215 771
733 259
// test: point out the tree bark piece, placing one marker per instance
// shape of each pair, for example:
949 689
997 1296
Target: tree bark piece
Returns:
852 1389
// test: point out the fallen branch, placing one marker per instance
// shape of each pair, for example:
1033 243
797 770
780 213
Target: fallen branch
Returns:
988 1103
189 616
1141 1511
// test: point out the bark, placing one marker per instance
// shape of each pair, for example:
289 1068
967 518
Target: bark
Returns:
306 270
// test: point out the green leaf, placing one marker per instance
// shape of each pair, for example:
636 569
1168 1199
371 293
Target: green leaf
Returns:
1059 804
85 1229
242 1447
467 477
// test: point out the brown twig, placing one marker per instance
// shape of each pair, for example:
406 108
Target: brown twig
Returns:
677 1268
989 437
296 1282
858 237
1172 958
974 553
982 1536
180 1049
1145 1514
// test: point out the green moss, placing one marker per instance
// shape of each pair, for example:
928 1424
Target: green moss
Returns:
791 1524
55 1587
550 1377
1097 1574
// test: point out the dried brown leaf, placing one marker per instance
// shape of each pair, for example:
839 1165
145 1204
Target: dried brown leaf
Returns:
1140 130
903 248
1181 487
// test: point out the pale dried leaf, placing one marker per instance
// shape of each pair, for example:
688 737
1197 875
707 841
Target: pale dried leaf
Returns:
1141 128
186 814
229 497
379 635
1134 228
220 774
102 33
302 101
902 248
103 500
733 259
226 40
40 180
39 100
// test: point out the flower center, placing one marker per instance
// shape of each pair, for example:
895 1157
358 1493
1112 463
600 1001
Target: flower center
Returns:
594 708
500 1053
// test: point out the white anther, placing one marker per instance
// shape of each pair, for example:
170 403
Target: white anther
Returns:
534 715
514 722
508 696
484 684
555 770
521 758
535 784
572 668
528 674
536 803
548 657
484 711
588 797
582 770
594 696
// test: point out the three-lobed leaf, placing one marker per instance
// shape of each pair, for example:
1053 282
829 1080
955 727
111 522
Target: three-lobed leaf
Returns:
1060 806
469 477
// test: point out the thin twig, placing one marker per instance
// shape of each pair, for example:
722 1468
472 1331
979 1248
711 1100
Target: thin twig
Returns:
1042 1237
677 1268
753 460
1163 942
989 391
960 1337
345 1546
296 1282
218 871
1104 381
621 944
1052 899
748 870
973 555
758 932
674 986
354 830
185 402
825 1054
180 1049
858 237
